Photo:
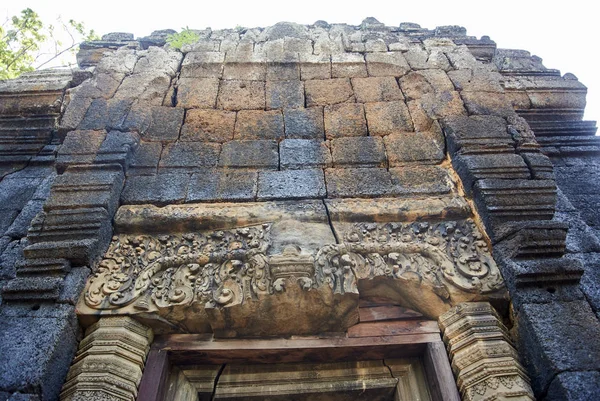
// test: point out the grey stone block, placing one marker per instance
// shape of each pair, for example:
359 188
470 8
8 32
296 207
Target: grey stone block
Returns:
358 182
37 349
285 94
10 257
222 185
304 153
145 159
73 285
156 124
367 151
420 180
472 168
105 114
117 148
15 193
476 134
574 386
19 227
43 190
159 189
6 219
291 184
190 155
557 337
250 154
304 123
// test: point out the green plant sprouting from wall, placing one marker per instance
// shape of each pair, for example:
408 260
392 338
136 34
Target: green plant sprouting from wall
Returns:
180 39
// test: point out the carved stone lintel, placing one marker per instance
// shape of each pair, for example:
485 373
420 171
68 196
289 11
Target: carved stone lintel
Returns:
484 361
109 362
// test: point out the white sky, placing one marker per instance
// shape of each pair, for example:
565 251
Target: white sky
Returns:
563 34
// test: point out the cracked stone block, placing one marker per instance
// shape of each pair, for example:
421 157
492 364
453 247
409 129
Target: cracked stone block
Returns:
345 120
241 95
304 153
328 91
222 185
348 65
304 123
385 118
105 114
208 125
258 124
358 182
376 89
414 147
197 93
284 94
386 64
15 193
159 189
366 151
291 184
190 155
250 154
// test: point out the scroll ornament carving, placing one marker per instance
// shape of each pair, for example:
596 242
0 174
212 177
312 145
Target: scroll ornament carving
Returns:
228 267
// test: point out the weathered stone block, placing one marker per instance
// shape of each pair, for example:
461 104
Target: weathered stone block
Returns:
105 114
291 184
208 125
364 151
483 103
15 193
416 84
203 65
79 147
241 95
250 154
376 89
421 180
48 339
385 118
156 123
574 386
258 124
222 185
419 59
197 93
348 65
159 189
550 343
477 134
247 66
414 147
18 228
304 153
441 104
190 155
288 94
345 120
315 66
358 182
476 80
386 64
304 123
472 168
117 148
145 159
328 91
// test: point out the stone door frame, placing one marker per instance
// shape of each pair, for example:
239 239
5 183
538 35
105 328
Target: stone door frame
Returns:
389 339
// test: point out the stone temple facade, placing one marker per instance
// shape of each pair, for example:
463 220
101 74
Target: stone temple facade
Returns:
325 212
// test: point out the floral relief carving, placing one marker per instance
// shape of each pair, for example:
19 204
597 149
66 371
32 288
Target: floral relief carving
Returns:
228 267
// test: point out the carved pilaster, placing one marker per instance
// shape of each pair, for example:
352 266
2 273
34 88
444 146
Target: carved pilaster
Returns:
109 362
483 359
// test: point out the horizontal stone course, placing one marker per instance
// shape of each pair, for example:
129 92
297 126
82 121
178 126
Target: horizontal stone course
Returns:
260 154
190 155
304 153
291 184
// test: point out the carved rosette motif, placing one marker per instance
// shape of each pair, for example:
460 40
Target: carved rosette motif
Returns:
228 267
